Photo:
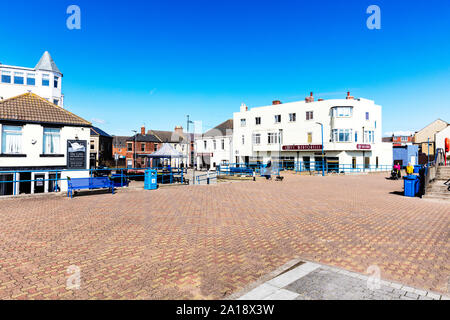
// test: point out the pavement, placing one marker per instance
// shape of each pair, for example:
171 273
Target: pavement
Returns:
209 242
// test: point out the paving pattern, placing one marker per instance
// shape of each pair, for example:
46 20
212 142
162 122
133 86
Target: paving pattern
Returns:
311 281
206 242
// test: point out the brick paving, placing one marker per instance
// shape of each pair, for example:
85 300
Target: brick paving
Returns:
206 242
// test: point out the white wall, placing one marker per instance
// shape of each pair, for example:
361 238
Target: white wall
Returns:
219 155
440 138
33 151
296 133
9 90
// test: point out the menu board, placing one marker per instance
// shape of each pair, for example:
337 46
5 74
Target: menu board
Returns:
76 154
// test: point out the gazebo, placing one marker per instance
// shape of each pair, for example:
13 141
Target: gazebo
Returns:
166 152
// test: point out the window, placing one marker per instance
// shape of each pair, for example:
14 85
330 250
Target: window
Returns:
369 136
205 144
258 121
356 136
292 117
243 122
31 79
142 147
18 78
55 101
273 137
52 140
342 111
55 82
223 144
257 138
309 115
11 139
215 144
130 146
404 139
367 116
6 76
155 147
243 139
309 137
342 135
278 118
45 80
92 143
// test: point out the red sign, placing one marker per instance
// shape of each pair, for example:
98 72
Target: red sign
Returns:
363 146
303 147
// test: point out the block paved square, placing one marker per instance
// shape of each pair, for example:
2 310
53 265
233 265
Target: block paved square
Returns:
206 242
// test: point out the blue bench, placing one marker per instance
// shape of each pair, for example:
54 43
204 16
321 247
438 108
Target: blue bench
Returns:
88 184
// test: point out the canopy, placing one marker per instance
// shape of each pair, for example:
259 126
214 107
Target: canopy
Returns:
166 151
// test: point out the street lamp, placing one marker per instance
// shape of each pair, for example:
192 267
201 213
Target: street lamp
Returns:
134 148
279 153
188 152
323 169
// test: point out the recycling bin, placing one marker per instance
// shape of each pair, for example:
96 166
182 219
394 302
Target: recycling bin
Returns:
151 180
411 185
417 168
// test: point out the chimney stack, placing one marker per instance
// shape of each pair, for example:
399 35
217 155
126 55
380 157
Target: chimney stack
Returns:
349 97
143 131
244 107
275 102
179 129
310 98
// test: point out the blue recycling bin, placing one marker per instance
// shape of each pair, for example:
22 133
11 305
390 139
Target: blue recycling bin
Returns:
151 180
417 168
411 185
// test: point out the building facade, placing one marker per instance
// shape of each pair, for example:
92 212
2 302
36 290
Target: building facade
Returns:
215 147
425 138
44 79
100 148
120 149
139 147
292 132
40 141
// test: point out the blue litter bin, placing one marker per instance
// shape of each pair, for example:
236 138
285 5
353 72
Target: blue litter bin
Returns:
151 180
411 185
417 168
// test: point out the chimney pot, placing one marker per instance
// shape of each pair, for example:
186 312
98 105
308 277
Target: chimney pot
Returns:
275 102
310 98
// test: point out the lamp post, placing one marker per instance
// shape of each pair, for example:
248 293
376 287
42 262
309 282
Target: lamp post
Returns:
279 153
323 169
134 148
188 152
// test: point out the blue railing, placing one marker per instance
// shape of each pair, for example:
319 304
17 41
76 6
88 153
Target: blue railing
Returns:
9 179
232 169
205 177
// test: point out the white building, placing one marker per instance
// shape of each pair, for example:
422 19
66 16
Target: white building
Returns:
40 141
215 147
440 139
44 79
352 132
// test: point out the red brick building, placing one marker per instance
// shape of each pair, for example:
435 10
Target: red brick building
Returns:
139 147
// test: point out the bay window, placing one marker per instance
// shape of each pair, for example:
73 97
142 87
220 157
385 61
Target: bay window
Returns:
52 140
11 140
341 135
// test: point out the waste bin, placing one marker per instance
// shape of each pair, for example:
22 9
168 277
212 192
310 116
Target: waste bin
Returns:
150 182
417 168
411 185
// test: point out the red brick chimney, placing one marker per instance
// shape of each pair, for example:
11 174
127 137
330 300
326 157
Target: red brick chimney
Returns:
310 98
349 97
275 102
143 131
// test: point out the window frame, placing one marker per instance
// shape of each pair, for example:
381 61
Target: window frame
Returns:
293 117
19 75
277 118
7 74
4 128
309 115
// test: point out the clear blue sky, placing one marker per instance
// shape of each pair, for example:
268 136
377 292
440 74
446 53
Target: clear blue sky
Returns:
154 62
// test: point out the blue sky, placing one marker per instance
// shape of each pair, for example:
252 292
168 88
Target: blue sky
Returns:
154 62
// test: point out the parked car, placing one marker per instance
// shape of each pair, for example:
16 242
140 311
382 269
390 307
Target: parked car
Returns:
102 171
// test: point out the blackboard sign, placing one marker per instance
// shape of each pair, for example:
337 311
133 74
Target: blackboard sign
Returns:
76 154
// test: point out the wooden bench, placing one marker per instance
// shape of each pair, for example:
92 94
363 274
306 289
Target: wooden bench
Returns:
88 184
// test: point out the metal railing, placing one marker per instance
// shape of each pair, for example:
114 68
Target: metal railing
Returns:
205 177
15 182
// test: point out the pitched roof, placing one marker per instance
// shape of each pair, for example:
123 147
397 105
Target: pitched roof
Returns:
168 136
120 141
167 151
29 107
144 138
221 130
99 132
46 63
